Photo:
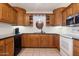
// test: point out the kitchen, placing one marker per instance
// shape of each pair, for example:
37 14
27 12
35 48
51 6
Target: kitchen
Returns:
31 29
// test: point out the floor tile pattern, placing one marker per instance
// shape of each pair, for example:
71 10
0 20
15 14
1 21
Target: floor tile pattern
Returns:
39 52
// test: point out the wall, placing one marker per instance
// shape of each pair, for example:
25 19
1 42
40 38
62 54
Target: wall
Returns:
49 29
5 28
8 29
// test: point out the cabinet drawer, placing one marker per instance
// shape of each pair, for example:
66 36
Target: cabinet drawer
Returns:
76 43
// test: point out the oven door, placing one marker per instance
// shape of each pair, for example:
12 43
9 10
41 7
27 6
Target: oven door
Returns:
66 46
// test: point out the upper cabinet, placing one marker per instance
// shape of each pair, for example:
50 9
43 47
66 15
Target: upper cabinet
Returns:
21 16
75 8
71 10
58 16
49 19
29 19
64 16
7 14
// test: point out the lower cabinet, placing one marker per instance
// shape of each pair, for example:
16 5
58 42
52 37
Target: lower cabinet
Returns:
46 41
40 40
76 47
57 41
7 47
2 48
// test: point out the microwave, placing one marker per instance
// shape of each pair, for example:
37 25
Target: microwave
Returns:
77 19
70 20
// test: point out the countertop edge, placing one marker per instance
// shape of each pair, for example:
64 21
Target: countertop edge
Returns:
5 37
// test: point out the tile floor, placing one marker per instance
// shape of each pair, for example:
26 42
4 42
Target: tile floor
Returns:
39 52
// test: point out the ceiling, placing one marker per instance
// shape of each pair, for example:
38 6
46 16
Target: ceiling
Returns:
40 7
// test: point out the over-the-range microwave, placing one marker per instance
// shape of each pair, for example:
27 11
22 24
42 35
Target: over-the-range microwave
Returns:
73 20
77 19
70 20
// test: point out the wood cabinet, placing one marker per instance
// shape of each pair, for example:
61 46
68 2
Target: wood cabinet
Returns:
76 47
21 16
7 14
75 8
49 19
2 48
58 16
46 40
57 41
40 40
30 40
7 47
28 21
9 43
64 16
69 10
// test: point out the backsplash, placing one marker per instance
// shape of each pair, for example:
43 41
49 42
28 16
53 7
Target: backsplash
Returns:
48 29
7 29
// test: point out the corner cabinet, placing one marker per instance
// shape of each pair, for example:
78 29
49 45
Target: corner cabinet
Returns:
58 16
7 14
7 46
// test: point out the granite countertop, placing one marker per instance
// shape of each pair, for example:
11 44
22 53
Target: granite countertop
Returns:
11 34
8 35
72 36
41 33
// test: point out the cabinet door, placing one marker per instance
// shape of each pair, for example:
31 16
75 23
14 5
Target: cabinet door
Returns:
57 41
27 20
76 47
34 40
30 41
5 13
76 51
43 41
50 41
1 12
58 18
9 46
77 7
51 20
2 48
69 10
64 18
25 41
46 41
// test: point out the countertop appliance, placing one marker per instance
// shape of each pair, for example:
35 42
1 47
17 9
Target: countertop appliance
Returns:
17 31
70 20
77 19
66 46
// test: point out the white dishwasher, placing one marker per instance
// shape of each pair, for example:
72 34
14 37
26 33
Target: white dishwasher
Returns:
66 46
